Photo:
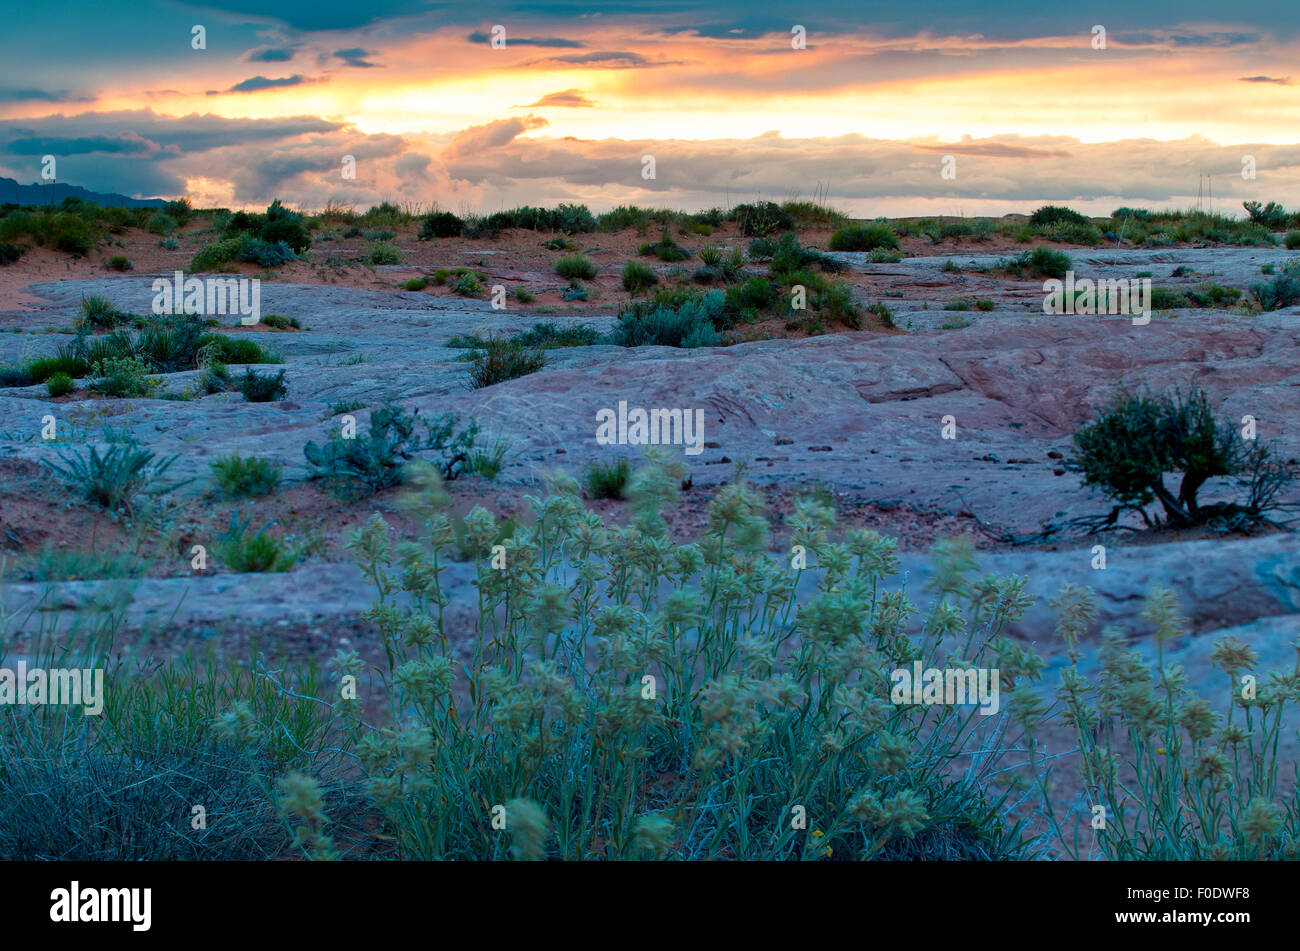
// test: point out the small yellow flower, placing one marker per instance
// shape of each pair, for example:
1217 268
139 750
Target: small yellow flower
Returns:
818 833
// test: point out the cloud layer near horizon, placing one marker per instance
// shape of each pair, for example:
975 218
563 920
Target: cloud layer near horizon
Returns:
719 95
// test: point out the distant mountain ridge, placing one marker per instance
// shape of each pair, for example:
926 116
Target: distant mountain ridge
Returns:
37 194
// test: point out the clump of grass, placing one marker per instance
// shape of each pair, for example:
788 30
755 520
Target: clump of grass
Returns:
415 284
60 384
984 304
576 267
499 359
468 285
239 477
257 552
638 277
959 303
864 238
523 295
119 262
488 461
608 480
98 313
281 322
1292 240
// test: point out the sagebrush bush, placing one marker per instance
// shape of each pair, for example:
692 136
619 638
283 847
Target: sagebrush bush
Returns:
262 387
60 384
383 252
638 276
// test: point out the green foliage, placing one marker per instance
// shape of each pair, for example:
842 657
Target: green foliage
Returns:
161 223
548 336
59 384
1282 291
608 480
1139 439
498 359
1292 241
1056 215
690 323
227 349
415 284
119 262
576 267
238 476
1272 216
281 322
98 313
1041 261
523 295
665 249
258 552
638 277
262 387
761 219
468 285
124 377
442 224
864 238
383 252
9 253
114 479
366 464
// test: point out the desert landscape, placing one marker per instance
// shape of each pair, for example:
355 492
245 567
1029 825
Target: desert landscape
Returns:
641 433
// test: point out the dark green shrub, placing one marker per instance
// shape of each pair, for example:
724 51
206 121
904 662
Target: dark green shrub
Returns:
415 284
864 238
41 369
442 224
161 223
691 323
262 387
9 253
281 322
1282 291
576 267
468 285
383 252
260 552
226 349
762 218
124 377
1292 240
638 276
119 262
60 384
1271 216
266 253
99 313
1056 214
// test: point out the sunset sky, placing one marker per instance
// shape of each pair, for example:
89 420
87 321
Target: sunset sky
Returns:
715 92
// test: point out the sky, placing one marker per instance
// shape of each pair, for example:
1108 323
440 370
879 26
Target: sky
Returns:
939 107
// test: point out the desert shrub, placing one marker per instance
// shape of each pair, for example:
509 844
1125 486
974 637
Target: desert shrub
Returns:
237 350
499 359
59 384
1041 261
238 476
383 252
959 303
1139 439
179 209
488 461
218 254
814 214
691 323
571 219
214 377
114 479
366 464
282 225
523 295
984 304
161 223
548 336
468 285
171 343
415 284
749 299
379 235
442 224
9 253
444 274
119 262
124 377
608 480
1167 298
262 387
1282 291
281 322
881 310
15 376
864 238
1272 216
665 249
1292 240
266 253
1056 215
576 267
1212 294
762 218
99 313
257 552
575 291
638 276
